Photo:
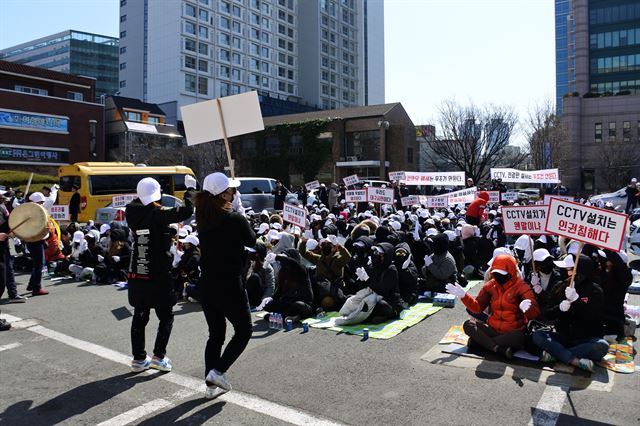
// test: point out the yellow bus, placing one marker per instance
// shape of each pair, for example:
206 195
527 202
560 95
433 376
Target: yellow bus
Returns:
99 182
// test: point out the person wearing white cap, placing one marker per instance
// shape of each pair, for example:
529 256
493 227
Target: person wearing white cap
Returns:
223 234
546 279
150 285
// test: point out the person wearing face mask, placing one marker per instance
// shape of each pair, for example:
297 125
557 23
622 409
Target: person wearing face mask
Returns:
360 249
512 304
439 268
522 251
615 279
545 279
382 278
578 312
260 279
408 274
293 296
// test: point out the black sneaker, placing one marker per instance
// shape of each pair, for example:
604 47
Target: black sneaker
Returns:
505 351
4 325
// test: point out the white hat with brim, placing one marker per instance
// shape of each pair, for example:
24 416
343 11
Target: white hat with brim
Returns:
148 191
540 255
217 183
264 227
496 252
567 262
38 197
499 271
191 239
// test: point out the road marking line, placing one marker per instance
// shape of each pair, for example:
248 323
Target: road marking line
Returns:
137 413
250 402
9 346
549 407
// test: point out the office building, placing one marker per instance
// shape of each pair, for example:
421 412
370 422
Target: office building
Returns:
296 54
43 124
598 69
72 52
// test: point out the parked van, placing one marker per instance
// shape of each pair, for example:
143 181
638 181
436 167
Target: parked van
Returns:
256 193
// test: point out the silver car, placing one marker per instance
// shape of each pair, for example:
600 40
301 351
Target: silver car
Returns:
617 198
255 193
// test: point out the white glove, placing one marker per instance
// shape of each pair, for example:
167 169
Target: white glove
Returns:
416 233
307 234
116 258
270 258
525 305
565 305
428 260
100 258
535 283
571 294
189 182
264 303
362 274
456 290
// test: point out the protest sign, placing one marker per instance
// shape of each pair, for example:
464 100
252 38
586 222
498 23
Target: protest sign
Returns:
547 198
59 212
397 176
380 195
294 215
434 178
351 180
355 196
312 185
520 176
437 202
509 196
529 220
410 200
122 200
463 196
494 196
591 225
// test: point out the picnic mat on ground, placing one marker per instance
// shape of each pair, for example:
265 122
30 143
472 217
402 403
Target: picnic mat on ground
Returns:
620 357
386 330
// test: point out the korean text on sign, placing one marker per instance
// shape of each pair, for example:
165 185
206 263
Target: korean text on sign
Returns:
356 196
351 180
463 196
434 179
494 196
509 196
59 212
437 202
380 195
410 200
591 225
122 200
294 215
529 220
397 176
522 176
312 185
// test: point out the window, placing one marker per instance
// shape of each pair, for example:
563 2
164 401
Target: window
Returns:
133 116
265 37
225 7
189 44
236 27
190 83
225 55
190 62
123 50
626 131
253 79
204 15
203 85
190 10
290 74
598 132
123 34
203 49
224 71
254 64
32 90
612 131
235 74
255 34
190 28
255 19
235 89
265 52
253 48
266 23
265 67
203 31
236 42
123 65
203 65
123 18
224 38
153 120
123 83
237 13
282 86
224 89
225 23
235 59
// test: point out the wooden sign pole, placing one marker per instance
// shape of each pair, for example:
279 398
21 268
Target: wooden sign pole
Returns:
226 141
575 267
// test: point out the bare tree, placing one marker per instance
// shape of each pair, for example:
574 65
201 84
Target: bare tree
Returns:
206 158
475 139
618 161
546 136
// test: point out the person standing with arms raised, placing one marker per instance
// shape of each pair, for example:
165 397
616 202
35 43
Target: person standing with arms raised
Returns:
150 283
223 234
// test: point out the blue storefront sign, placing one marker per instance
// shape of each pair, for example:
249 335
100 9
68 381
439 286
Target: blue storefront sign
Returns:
27 155
28 121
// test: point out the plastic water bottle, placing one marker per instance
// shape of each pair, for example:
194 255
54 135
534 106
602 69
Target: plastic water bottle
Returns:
272 321
280 325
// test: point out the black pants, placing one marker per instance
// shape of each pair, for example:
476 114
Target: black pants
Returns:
6 273
290 309
382 312
140 321
37 254
234 306
254 290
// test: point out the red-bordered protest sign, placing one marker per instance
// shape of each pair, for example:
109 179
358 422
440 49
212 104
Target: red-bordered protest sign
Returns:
530 220
294 215
437 202
380 195
59 212
494 196
410 200
355 196
591 225
351 180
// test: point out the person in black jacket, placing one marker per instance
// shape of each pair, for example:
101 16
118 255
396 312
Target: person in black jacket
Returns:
408 274
293 296
615 279
149 275
74 204
187 273
579 313
280 193
223 235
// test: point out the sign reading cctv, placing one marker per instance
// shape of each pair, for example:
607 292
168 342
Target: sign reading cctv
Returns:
294 215
521 176
591 225
529 220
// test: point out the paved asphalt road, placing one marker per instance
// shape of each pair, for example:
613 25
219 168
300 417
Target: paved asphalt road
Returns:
66 361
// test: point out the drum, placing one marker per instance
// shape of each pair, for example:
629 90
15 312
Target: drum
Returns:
29 222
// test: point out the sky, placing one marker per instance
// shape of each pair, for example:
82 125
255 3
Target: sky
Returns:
481 51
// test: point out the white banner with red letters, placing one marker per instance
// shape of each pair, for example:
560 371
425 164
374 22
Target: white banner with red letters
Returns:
529 220
59 212
591 225
122 200
410 200
312 185
434 178
294 215
463 196
355 196
522 176
351 180
380 195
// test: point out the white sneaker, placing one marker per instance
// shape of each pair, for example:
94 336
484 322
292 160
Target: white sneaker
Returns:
213 392
218 379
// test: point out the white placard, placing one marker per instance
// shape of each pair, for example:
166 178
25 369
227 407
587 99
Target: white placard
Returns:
410 200
494 196
380 195
355 196
509 196
591 225
434 178
521 176
529 220
122 200
463 196
241 114
351 180
59 212
294 215
437 202
397 176
312 185
547 198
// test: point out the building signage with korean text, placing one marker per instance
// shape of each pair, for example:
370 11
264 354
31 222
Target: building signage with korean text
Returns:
30 121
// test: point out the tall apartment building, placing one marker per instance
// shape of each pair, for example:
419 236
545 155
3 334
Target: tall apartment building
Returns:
328 53
72 52
598 87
